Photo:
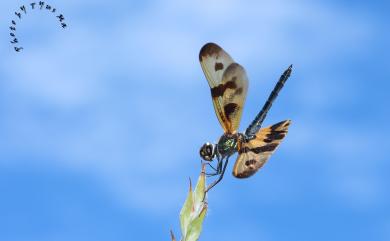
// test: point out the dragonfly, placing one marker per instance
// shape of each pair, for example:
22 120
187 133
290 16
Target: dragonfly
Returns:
228 83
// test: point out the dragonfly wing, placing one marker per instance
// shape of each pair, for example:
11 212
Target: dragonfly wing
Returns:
228 84
235 87
254 153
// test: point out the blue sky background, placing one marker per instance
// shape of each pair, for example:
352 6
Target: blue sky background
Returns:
101 123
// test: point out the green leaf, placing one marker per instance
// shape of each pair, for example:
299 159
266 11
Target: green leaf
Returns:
199 193
194 210
196 226
185 213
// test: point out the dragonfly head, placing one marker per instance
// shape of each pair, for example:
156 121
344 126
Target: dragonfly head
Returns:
207 151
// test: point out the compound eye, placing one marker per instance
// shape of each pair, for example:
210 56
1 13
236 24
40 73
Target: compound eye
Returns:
206 152
209 149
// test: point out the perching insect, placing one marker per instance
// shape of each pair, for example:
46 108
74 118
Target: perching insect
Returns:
228 83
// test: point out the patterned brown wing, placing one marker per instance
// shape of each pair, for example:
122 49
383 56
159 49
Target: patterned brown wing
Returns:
254 153
233 92
215 61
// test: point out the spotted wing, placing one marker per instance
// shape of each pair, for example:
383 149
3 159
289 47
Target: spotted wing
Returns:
228 84
255 152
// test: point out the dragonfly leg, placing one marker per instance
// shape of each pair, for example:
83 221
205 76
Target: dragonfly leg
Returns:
217 170
211 174
222 172
219 167
211 166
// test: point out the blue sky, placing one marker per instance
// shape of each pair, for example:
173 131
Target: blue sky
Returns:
101 123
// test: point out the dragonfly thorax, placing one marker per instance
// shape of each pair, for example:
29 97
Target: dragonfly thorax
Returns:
228 143
226 146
